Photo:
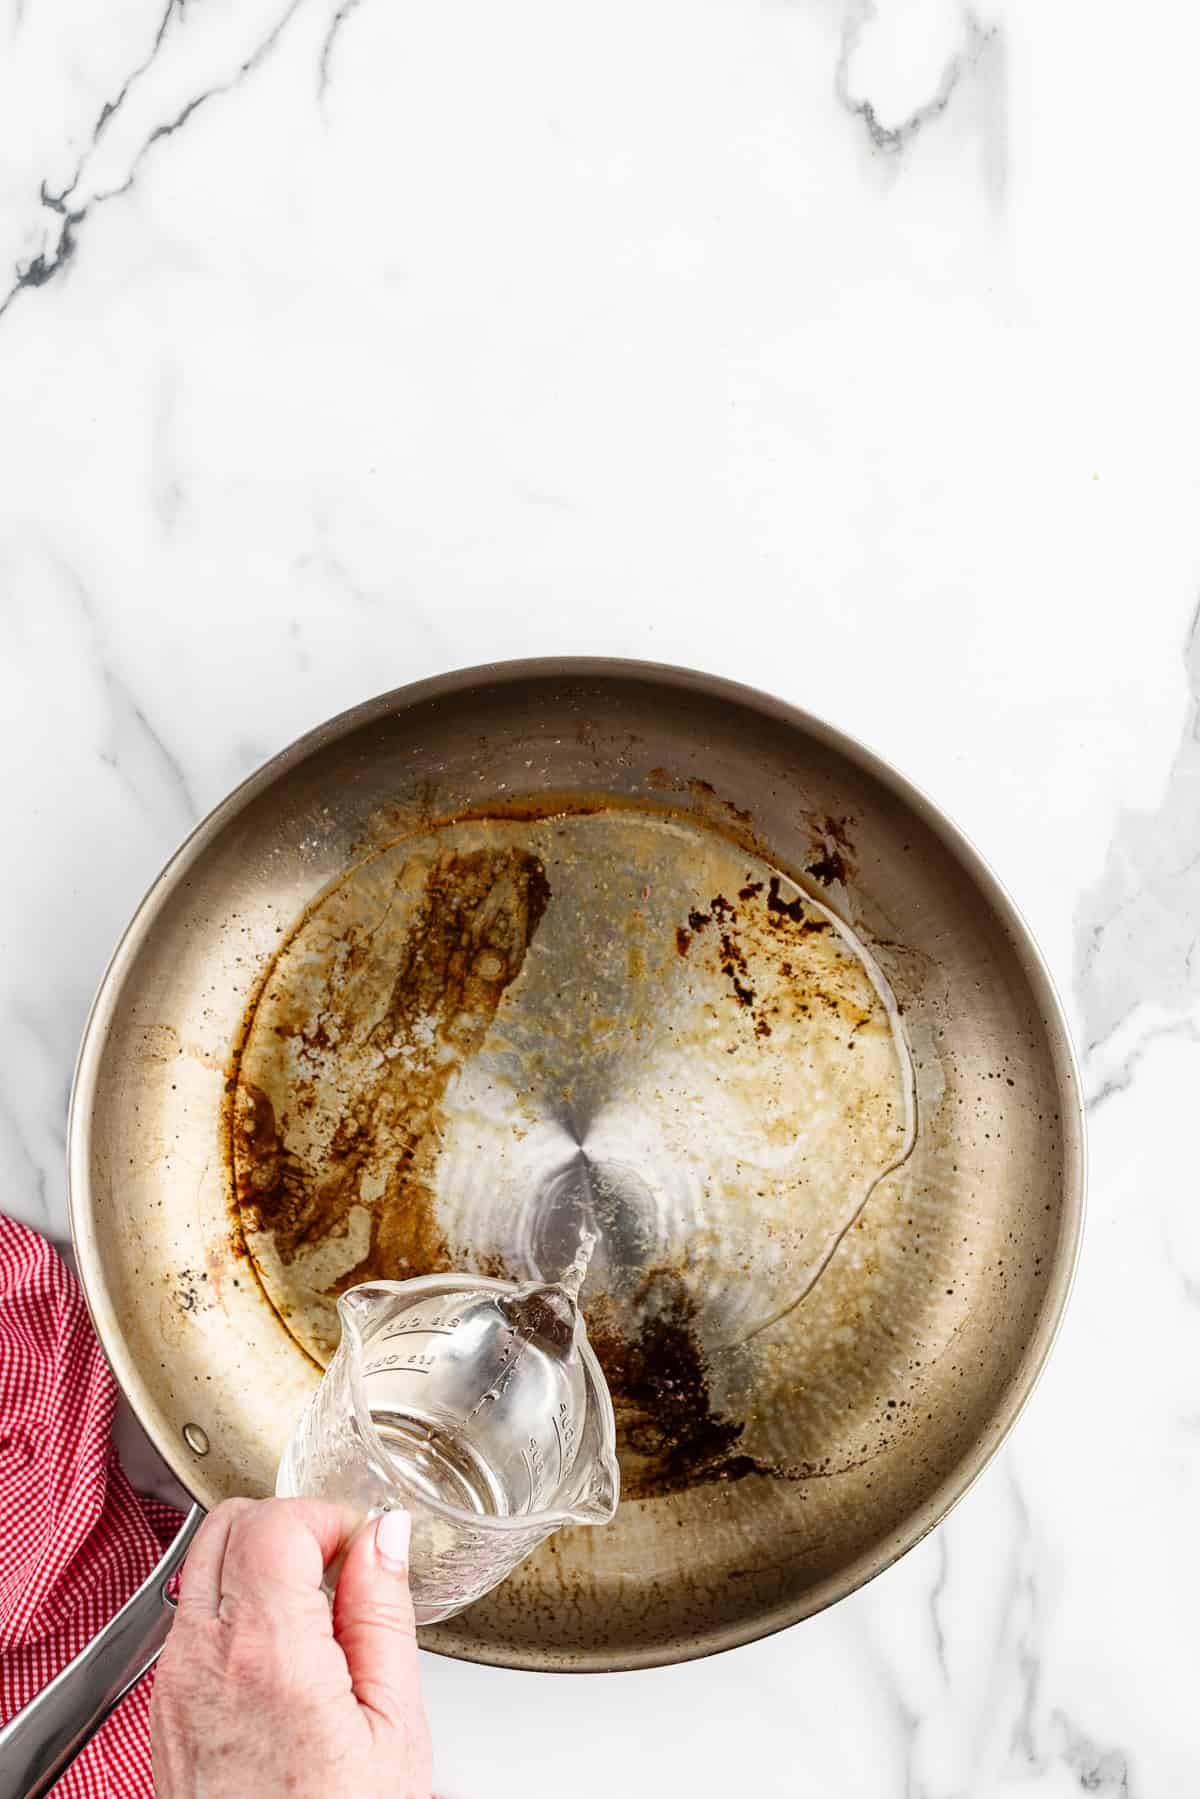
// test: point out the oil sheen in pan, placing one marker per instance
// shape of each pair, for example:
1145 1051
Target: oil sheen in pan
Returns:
486 1038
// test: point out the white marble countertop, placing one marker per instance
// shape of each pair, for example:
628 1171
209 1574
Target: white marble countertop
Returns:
845 349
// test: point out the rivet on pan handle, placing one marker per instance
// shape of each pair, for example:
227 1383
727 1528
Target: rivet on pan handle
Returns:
45 1738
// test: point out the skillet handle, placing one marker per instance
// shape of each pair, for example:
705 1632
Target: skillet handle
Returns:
48 1734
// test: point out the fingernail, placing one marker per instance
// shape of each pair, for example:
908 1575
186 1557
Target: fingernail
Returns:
392 1535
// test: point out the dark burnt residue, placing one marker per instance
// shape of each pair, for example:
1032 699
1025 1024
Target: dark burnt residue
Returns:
829 868
191 1291
704 791
833 866
668 1435
793 909
466 944
733 964
765 922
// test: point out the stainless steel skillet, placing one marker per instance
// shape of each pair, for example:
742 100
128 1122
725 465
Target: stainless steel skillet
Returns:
210 1236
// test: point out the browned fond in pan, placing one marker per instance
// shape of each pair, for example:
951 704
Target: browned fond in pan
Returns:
545 936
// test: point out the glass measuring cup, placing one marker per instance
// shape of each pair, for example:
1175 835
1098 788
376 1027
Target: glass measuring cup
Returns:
479 1407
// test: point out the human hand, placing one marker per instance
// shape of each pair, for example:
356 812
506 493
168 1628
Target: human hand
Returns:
260 1690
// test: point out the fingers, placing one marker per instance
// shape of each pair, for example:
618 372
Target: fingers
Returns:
200 1581
277 1550
374 1624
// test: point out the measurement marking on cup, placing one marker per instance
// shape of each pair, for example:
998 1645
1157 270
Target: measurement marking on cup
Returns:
562 1456
411 1364
418 1330
535 1467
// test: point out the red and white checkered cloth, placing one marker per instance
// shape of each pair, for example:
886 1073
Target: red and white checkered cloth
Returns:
75 1539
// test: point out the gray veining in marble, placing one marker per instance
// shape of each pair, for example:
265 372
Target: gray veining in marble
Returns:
1138 971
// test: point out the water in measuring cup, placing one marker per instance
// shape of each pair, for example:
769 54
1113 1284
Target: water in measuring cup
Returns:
441 1464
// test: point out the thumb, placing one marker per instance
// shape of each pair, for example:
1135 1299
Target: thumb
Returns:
374 1624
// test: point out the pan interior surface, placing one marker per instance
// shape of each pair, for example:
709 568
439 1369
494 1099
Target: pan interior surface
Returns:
489 1038
500 959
